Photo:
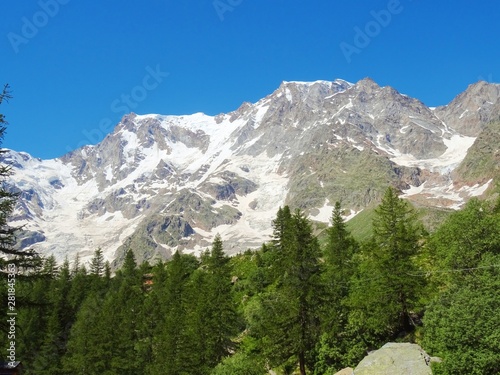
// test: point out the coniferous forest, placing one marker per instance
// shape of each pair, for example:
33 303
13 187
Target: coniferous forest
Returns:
294 306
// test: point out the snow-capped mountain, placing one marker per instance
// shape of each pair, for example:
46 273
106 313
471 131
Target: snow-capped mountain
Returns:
160 183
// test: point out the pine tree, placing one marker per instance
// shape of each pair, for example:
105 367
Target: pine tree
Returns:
171 343
340 246
8 200
87 349
97 263
211 313
384 295
105 333
461 322
123 309
221 308
286 321
33 318
12 260
339 266
59 322
339 251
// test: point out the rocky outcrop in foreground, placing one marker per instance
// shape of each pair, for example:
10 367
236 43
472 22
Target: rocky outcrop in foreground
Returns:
394 359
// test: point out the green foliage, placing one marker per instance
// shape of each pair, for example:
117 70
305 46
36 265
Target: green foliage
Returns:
290 306
172 340
286 318
461 325
384 295
239 364
339 251
97 263
463 240
219 315
26 259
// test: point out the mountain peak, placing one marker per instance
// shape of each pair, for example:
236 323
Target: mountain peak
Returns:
163 183
367 84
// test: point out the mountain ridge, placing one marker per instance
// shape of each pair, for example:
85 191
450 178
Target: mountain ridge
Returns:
164 183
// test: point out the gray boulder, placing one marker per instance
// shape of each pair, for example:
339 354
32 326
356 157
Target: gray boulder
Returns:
396 359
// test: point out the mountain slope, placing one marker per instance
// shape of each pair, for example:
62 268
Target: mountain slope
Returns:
161 183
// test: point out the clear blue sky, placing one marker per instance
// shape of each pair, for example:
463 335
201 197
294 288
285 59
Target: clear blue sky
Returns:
72 64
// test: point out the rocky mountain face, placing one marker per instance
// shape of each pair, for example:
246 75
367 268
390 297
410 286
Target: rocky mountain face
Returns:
158 183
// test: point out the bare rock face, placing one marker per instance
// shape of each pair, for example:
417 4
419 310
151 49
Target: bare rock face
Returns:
470 111
395 359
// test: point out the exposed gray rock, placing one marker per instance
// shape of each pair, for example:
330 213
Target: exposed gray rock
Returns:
395 359
471 110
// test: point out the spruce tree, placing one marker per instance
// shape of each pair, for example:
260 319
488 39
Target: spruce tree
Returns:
211 312
122 308
88 351
104 336
59 322
286 321
171 343
12 259
339 250
97 263
221 308
384 295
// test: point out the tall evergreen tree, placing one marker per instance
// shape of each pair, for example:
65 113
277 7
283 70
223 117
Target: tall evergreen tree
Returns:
461 322
222 316
172 347
211 312
8 201
11 258
340 246
339 266
287 321
97 263
88 349
104 336
122 308
339 251
34 317
384 294
59 322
